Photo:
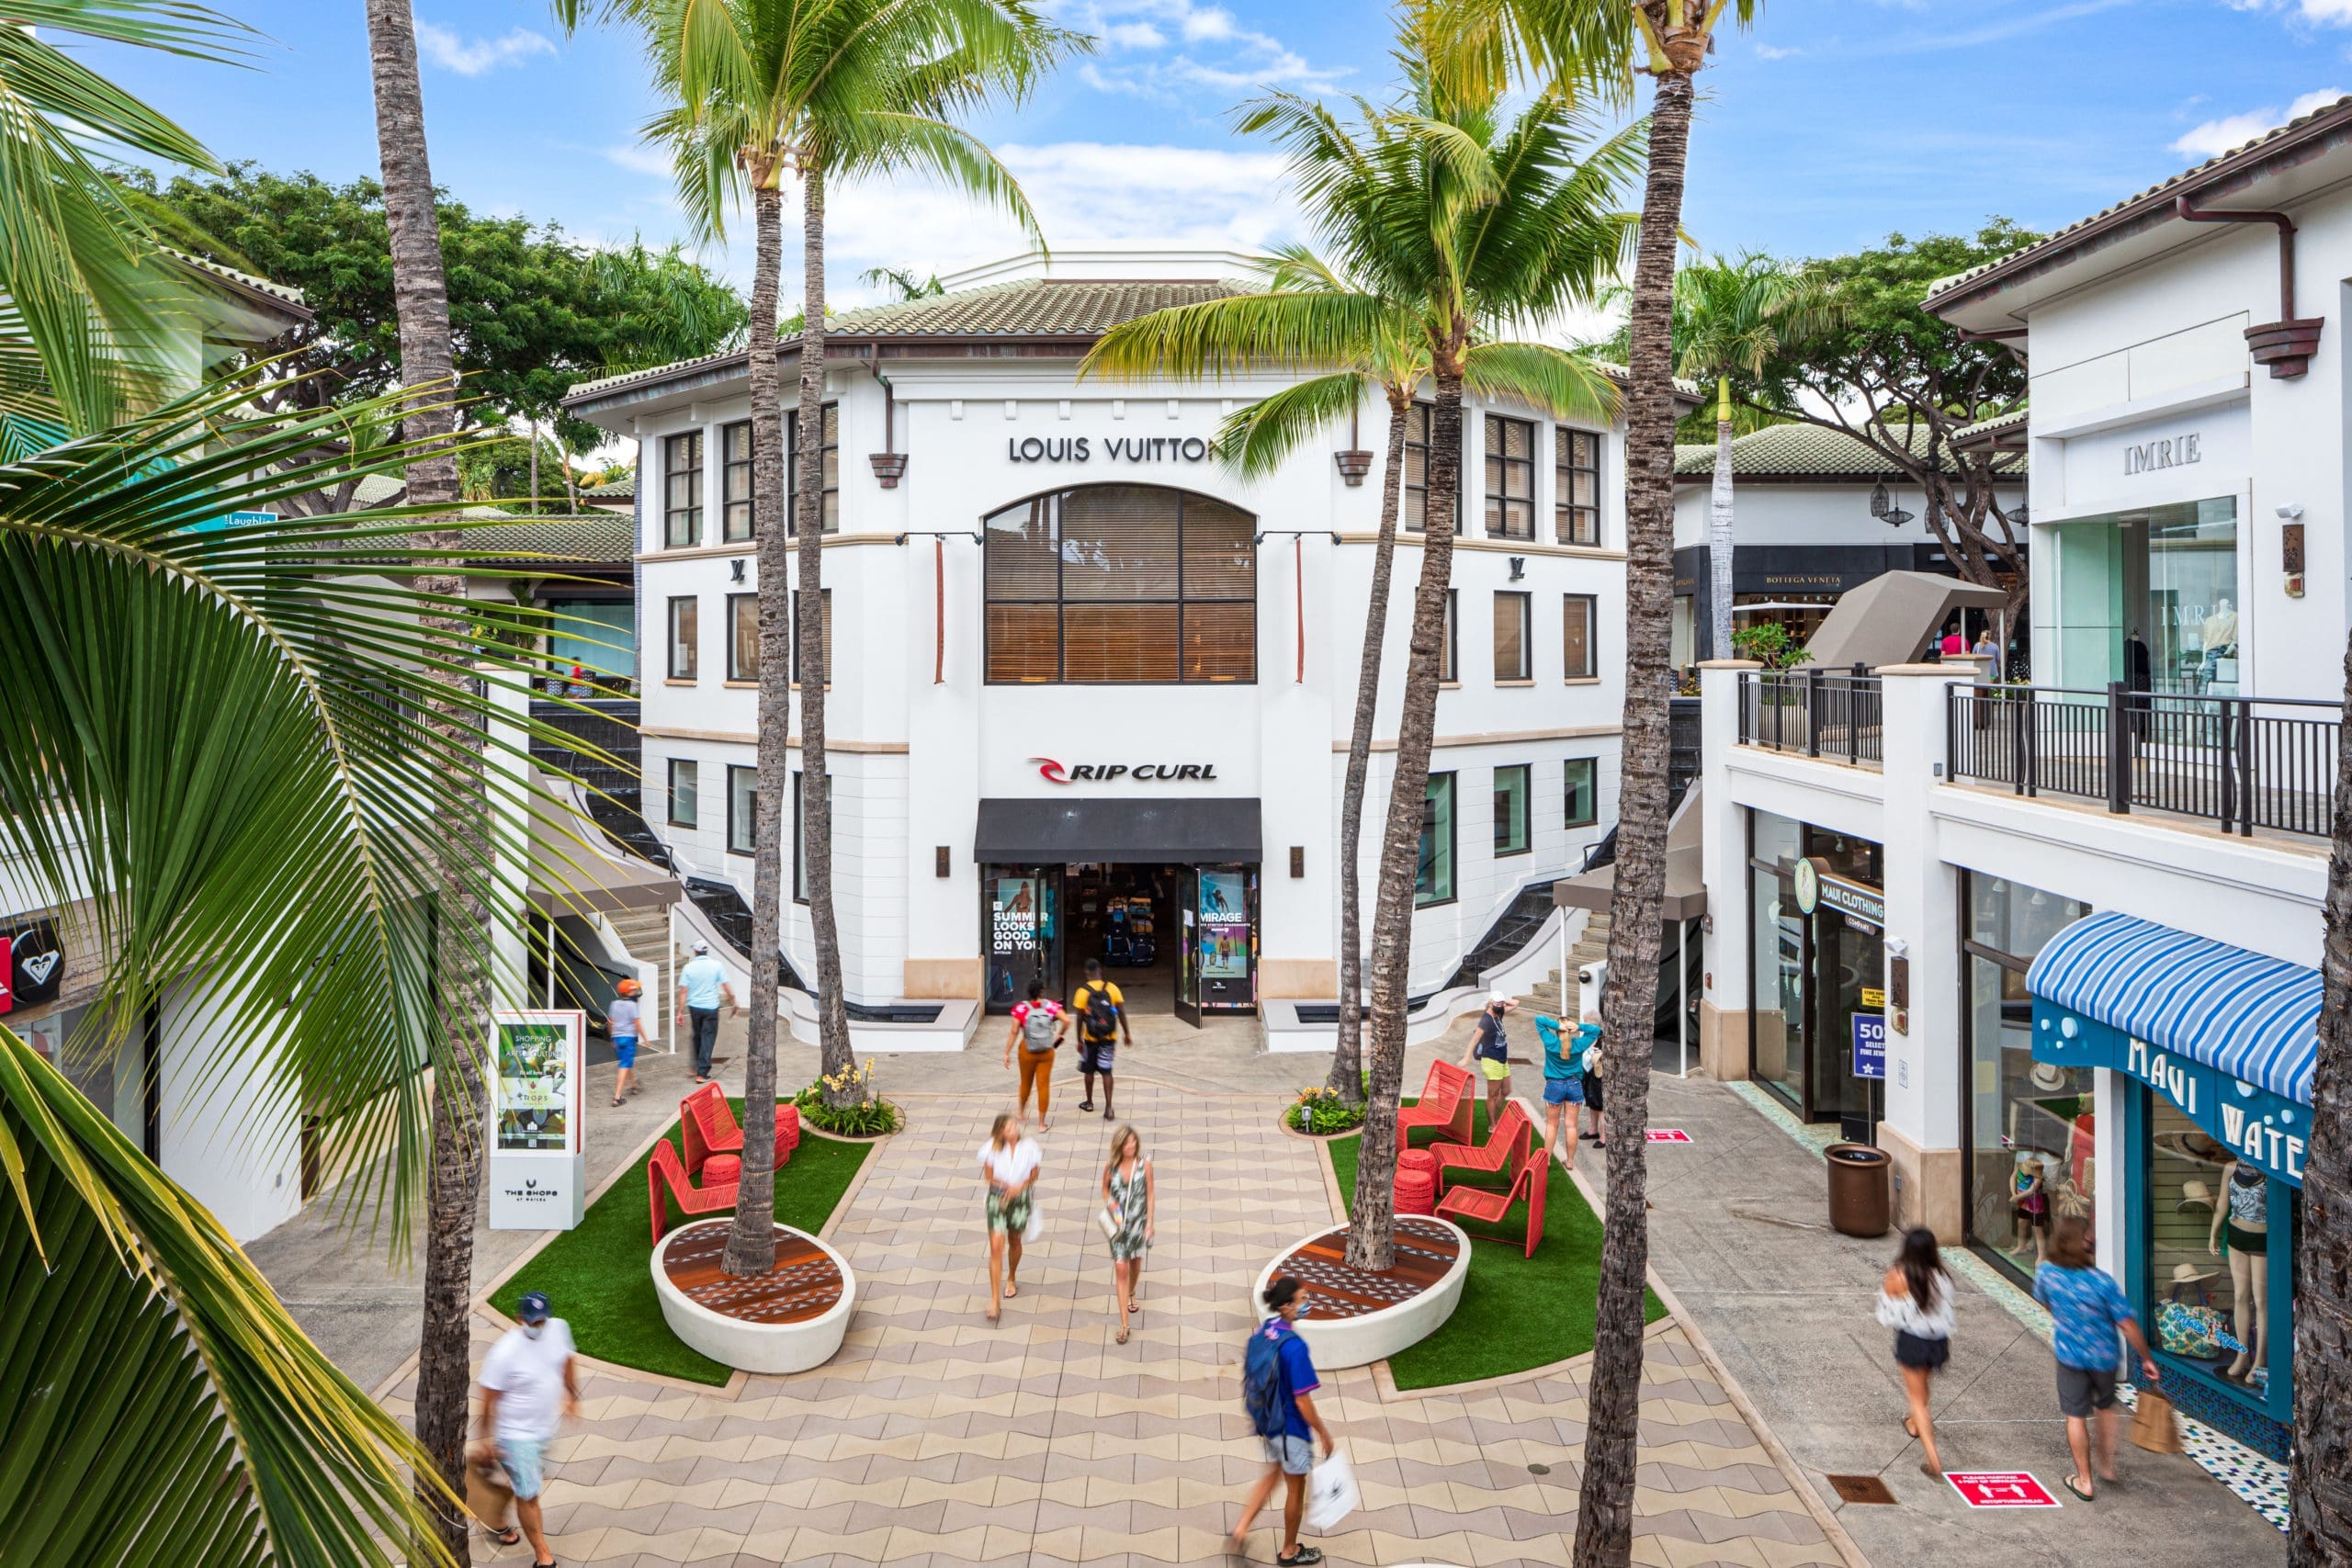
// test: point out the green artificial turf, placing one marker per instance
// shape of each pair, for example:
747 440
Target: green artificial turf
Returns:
599 1277
1516 1312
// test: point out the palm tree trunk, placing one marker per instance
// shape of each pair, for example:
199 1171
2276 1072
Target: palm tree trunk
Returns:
1719 542
2319 1483
834 1056
1347 1061
421 298
1371 1240
751 1241
1605 1501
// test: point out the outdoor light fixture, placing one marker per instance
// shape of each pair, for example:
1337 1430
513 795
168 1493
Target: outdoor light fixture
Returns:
1878 500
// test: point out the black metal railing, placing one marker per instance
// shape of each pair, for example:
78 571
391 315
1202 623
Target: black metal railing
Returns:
1841 717
2244 763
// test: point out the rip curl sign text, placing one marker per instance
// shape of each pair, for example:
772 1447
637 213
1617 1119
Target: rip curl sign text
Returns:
1053 772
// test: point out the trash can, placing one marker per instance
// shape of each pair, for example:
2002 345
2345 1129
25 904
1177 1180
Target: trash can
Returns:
1861 1197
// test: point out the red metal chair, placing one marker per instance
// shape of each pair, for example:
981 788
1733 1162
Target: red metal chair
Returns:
665 1174
714 1141
1444 1103
1489 1206
1484 1159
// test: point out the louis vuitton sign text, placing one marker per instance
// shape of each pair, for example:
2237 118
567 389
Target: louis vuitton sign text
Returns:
1116 449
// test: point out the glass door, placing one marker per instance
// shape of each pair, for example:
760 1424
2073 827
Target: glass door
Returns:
1850 971
1188 944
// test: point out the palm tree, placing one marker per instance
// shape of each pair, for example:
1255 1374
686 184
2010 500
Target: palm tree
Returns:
216 768
88 299
1732 316
1441 208
1216 338
421 298
1601 45
823 90
2319 1532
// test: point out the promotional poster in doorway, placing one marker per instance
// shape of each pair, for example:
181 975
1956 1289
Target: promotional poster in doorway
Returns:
1224 926
1013 921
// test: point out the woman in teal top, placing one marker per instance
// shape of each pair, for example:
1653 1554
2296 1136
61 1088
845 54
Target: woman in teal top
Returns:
1563 1086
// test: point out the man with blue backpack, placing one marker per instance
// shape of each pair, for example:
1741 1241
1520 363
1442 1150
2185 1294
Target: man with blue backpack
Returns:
1277 1375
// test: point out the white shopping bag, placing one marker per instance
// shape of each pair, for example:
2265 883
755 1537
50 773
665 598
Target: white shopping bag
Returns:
1331 1493
1036 1226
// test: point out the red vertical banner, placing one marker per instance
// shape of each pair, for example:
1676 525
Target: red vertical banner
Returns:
8 974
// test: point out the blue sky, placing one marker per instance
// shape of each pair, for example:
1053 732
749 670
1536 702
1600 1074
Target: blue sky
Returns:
1830 124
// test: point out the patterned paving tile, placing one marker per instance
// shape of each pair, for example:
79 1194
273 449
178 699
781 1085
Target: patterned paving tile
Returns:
934 1438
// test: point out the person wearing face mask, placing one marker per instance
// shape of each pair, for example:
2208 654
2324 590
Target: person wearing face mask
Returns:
529 1382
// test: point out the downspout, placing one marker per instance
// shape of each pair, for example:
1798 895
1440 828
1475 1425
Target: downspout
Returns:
939 611
2288 343
889 463
1299 582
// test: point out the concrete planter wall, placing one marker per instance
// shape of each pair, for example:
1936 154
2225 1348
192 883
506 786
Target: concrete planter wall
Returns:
773 1348
1359 1341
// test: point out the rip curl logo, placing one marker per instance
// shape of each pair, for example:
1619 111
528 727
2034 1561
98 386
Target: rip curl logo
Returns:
1053 772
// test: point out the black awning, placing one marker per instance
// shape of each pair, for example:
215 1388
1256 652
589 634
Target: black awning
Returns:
1019 832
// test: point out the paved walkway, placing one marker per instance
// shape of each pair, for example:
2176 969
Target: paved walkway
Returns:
934 1438
1738 1232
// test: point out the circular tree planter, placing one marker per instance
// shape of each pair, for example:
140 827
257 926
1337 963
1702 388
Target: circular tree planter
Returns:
808 1128
792 1320
1353 1318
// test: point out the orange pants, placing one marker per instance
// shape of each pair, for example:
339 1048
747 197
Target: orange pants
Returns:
1036 1067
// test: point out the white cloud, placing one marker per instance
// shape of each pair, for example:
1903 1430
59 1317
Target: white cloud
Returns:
2320 13
2215 137
1220 53
1766 52
450 52
640 159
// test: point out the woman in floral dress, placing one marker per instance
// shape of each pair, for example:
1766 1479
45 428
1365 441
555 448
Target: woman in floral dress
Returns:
1129 1199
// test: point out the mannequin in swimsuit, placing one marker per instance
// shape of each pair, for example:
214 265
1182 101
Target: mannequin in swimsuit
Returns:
2245 1212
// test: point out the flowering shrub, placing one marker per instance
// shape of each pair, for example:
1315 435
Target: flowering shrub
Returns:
1321 1110
867 1116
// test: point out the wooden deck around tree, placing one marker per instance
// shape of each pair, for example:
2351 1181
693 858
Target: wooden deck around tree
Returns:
1425 1251
805 1284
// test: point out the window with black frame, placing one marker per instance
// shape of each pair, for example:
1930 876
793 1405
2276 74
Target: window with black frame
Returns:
829 452
1434 881
1449 669
682 490
686 790
1121 585
1514 789
735 481
1575 485
742 636
742 809
1511 478
1580 792
1514 628
685 637
1578 661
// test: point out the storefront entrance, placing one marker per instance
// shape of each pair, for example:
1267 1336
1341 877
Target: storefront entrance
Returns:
1174 938
1818 1002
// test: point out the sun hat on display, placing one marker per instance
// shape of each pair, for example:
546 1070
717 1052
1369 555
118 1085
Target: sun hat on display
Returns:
2194 1194
2048 1075
2187 1274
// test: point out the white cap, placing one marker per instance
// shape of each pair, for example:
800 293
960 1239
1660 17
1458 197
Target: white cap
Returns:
1500 995
702 947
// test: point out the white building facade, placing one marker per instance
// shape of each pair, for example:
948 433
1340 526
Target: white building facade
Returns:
2083 922
1091 693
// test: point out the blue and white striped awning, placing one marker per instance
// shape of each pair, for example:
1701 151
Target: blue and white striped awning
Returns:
2252 1016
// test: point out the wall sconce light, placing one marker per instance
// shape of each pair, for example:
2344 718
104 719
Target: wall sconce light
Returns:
942 866
2291 549
1298 859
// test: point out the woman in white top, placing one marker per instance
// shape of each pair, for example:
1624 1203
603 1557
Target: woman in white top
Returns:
1914 1300
1009 1163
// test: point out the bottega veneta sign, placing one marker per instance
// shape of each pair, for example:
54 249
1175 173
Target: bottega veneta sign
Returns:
1053 772
2174 452
1116 449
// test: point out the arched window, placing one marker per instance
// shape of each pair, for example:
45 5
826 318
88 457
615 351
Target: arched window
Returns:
1122 586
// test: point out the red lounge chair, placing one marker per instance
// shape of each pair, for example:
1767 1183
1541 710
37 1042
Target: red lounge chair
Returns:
1489 1157
1529 1166
714 1141
667 1173
1444 1103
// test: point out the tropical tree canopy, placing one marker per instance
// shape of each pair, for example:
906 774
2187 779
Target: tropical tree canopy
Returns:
531 310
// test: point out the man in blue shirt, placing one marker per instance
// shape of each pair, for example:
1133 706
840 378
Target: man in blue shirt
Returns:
2087 1309
702 991
1292 1455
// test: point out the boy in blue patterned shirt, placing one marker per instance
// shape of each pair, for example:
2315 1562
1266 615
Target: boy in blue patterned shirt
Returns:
2087 1309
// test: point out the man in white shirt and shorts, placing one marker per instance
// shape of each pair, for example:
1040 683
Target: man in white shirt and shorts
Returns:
529 1382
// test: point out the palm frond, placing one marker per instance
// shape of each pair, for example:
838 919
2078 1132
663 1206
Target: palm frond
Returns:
1233 335
161 1405
1256 439
1563 384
